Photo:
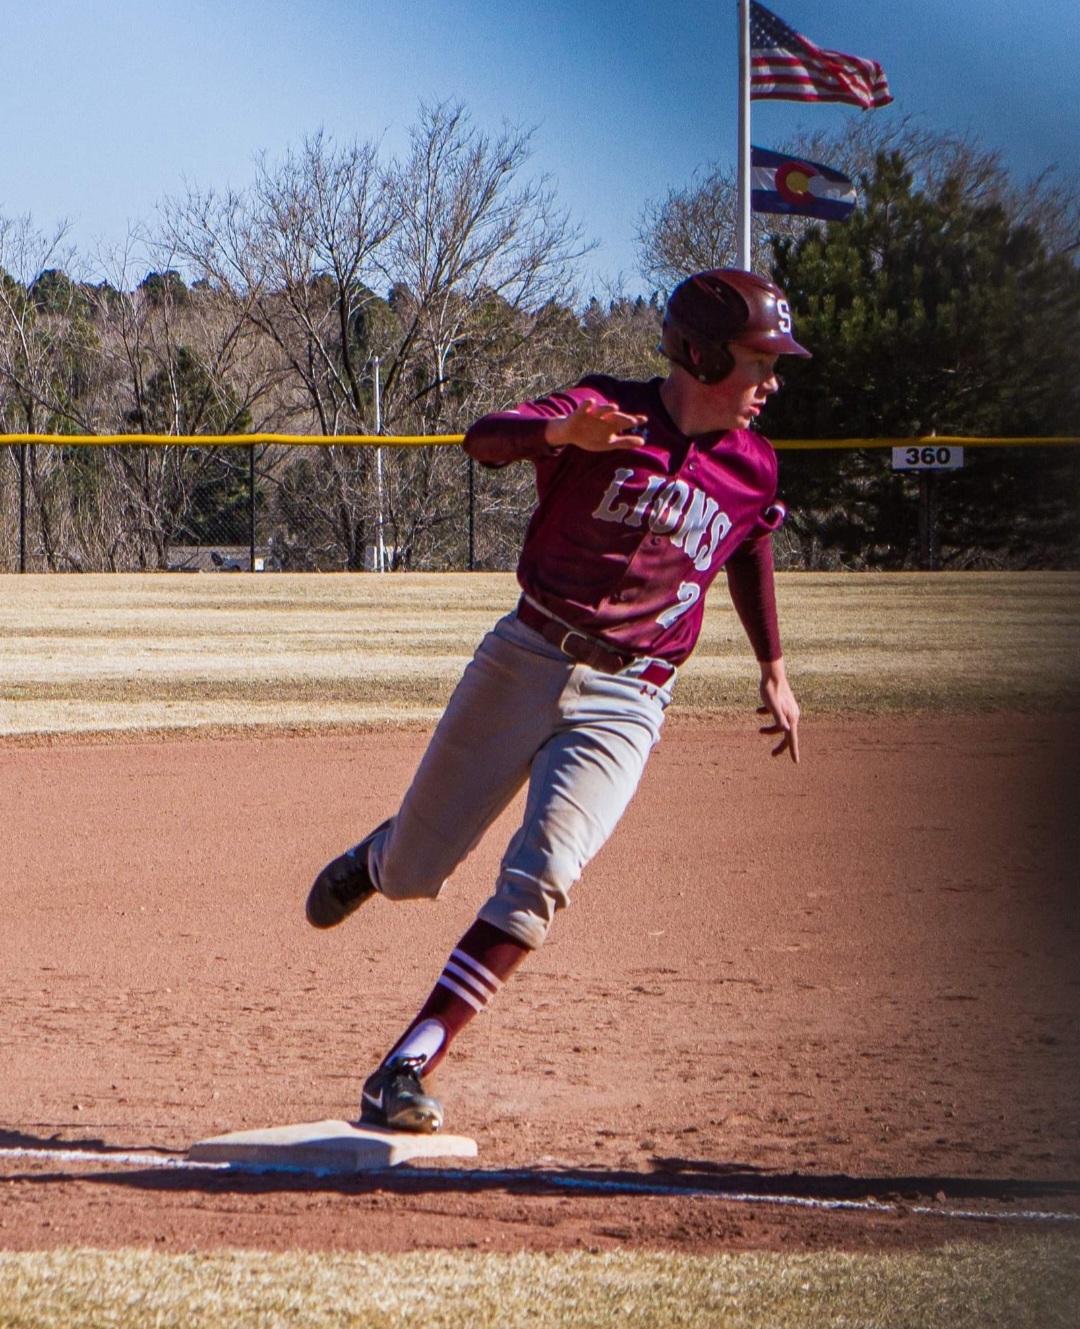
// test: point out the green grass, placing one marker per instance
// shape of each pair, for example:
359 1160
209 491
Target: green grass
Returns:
160 651
1029 1284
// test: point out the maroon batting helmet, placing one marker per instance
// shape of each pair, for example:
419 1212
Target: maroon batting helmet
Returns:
711 309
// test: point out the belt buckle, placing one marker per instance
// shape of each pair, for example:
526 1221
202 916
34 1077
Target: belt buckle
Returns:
573 632
592 653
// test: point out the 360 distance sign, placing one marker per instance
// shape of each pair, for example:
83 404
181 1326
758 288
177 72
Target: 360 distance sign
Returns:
927 457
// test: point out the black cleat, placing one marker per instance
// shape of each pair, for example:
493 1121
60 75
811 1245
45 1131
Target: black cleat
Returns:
341 887
393 1096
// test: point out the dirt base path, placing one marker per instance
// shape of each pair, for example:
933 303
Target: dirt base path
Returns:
854 982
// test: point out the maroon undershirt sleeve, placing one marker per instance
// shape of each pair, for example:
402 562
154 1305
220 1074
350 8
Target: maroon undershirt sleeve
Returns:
504 437
753 593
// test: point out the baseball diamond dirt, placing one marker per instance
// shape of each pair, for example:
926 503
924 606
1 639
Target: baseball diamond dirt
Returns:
790 1008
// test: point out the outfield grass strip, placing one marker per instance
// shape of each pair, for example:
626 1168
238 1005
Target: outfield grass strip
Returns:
127 652
1021 1285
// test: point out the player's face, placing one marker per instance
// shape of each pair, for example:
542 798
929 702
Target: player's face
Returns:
739 398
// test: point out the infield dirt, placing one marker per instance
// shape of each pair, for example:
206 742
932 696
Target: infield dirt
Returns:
855 980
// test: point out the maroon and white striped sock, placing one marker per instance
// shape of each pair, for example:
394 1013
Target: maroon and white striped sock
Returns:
478 966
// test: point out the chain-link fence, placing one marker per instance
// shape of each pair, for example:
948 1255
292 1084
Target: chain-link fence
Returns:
262 507
276 505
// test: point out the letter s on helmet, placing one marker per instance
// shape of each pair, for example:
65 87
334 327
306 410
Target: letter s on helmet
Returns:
711 309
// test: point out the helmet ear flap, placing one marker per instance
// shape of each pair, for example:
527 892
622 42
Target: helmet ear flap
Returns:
708 364
713 364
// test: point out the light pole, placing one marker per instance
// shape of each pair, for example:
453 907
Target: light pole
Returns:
380 548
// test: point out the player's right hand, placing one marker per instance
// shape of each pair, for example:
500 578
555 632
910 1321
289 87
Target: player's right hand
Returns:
595 427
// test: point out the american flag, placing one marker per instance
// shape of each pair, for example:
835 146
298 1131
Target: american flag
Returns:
786 67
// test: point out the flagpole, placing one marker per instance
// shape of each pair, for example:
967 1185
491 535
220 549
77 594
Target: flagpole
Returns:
742 224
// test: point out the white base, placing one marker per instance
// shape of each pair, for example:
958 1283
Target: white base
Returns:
328 1146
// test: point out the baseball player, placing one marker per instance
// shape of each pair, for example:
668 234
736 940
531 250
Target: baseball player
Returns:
646 490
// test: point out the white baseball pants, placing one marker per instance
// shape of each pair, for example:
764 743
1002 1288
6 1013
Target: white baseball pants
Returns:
522 712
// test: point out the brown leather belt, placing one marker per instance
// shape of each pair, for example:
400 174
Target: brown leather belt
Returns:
583 649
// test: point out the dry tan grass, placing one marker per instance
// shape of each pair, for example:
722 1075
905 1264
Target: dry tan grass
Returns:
163 651
1029 1284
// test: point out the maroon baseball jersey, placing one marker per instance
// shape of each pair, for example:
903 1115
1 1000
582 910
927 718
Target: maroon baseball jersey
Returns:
623 544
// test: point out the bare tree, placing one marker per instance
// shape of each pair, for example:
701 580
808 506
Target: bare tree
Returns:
295 253
474 249
40 327
471 259
479 266
47 347
295 256
175 361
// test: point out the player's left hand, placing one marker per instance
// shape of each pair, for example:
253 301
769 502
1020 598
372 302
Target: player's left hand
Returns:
779 702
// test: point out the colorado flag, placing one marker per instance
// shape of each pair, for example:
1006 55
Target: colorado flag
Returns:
794 185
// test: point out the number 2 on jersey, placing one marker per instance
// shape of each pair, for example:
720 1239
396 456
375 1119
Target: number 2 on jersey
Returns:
689 594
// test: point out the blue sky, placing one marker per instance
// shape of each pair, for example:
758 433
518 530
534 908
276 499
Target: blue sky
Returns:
109 104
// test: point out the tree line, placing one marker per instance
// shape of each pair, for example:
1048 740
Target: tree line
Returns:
343 292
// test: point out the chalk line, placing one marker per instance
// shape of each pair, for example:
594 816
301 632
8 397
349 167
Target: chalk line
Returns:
594 1185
